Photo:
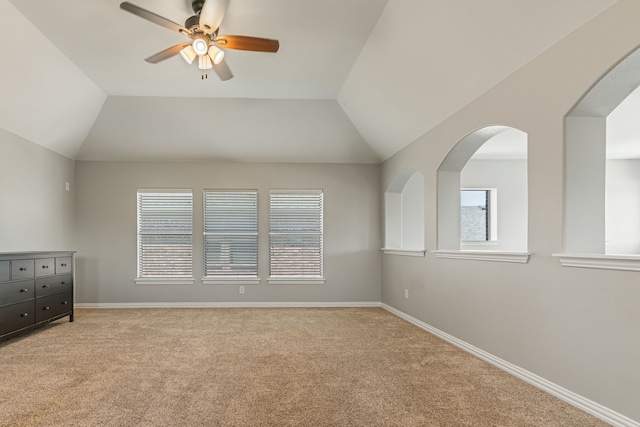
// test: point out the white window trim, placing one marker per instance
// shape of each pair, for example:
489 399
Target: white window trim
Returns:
164 281
492 256
600 261
296 280
230 280
404 252
299 280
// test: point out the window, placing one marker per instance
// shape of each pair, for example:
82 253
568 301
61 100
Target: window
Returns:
404 214
231 237
165 228
295 236
478 215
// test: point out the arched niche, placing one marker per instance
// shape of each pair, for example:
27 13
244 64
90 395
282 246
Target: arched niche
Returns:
586 164
404 213
448 198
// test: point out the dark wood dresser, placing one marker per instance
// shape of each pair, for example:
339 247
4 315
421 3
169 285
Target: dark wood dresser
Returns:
35 288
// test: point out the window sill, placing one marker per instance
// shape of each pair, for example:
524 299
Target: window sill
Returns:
601 261
405 252
231 280
164 280
296 280
493 256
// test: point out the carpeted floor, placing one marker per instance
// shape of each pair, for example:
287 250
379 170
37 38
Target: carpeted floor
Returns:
258 367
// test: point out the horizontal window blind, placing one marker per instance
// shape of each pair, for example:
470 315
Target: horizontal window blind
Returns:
231 233
295 234
165 228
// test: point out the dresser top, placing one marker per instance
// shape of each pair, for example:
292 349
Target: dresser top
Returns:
33 254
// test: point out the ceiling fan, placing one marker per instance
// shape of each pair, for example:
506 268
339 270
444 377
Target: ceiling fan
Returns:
205 45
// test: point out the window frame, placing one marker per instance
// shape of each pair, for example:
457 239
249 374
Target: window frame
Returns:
300 278
144 278
492 214
248 279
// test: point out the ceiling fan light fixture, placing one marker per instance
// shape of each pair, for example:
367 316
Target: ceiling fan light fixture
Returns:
200 44
204 62
216 54
189 54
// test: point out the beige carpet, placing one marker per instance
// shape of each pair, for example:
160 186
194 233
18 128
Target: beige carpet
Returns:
258 367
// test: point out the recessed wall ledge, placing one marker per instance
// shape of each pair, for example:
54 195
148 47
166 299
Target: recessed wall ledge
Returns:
602 261
493 256
405 252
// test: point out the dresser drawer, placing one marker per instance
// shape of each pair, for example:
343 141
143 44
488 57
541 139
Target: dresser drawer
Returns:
4 271
63 265
53 285
16 316
22 269
53 305
13 292
45 267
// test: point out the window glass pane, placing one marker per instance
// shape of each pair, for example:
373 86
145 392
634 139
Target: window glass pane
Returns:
231 233
474 215
165 225
295 234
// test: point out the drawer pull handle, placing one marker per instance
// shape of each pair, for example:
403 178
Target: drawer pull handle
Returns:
63 265
45 286
63 283
46 308
24 290
65 302
45 266
23 269
24 315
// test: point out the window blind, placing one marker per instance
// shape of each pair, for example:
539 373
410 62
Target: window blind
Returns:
231 233
165 228
295 234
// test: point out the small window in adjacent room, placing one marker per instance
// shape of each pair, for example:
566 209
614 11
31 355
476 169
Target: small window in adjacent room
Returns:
165 236
295 236
477 215
231 237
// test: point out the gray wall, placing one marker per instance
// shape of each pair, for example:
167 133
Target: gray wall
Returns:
36 212
575 327
106 229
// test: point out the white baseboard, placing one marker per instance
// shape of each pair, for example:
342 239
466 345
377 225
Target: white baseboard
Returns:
589 406
229 304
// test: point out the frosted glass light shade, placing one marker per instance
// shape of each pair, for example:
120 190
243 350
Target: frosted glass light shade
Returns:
188 54
216 54
204 62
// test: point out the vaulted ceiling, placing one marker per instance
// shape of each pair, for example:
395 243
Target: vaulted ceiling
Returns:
354 81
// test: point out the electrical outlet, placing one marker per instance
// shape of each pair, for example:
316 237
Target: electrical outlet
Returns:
406 294
66 186
241 289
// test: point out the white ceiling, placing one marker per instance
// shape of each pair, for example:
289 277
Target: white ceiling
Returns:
354 80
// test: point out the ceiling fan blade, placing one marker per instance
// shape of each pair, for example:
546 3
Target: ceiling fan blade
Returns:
212 14
153 17
167 53
256 44
222 70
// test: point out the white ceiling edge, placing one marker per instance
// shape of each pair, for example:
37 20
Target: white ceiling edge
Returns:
46 99
394 94
231 129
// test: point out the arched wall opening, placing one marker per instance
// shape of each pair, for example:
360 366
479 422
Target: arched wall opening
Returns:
602 166
404 213
492 160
